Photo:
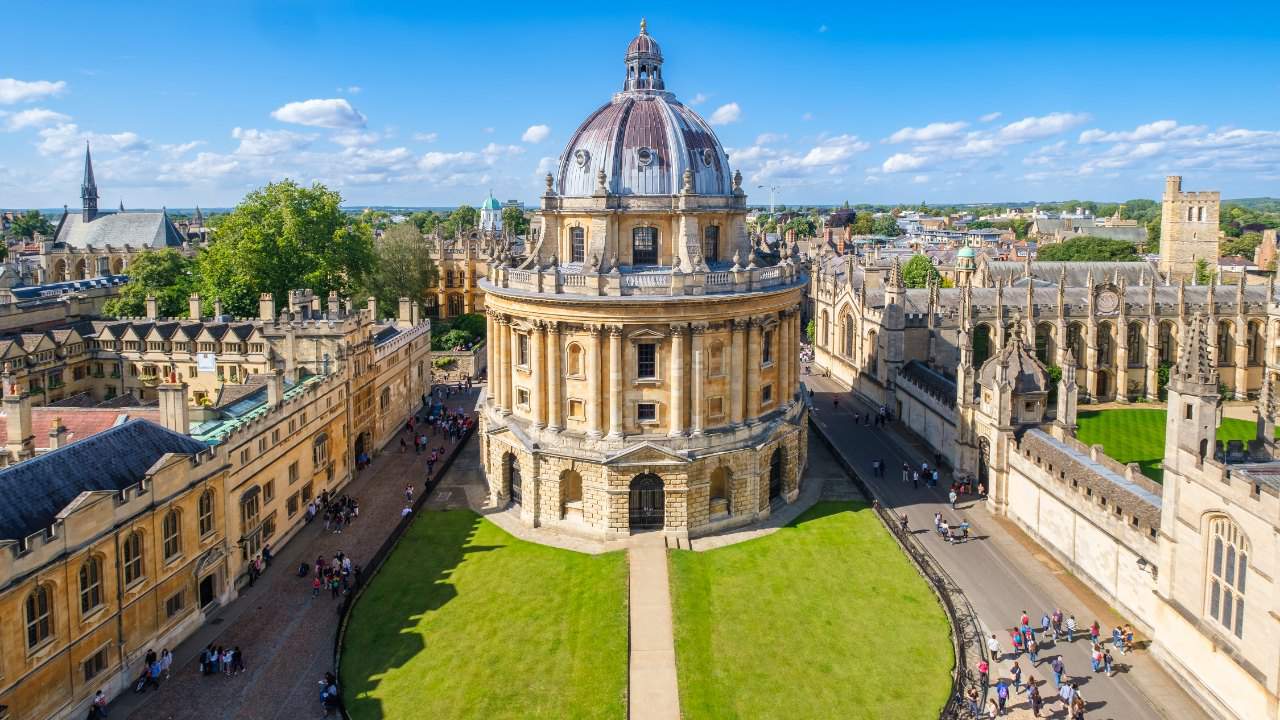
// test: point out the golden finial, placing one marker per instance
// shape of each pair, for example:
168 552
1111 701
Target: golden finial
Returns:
642 26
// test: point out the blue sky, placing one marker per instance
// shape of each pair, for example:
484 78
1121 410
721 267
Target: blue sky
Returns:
419 104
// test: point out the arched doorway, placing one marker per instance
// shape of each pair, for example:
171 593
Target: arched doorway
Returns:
1103 389
984 462
511 468
647 502
775 475
570 494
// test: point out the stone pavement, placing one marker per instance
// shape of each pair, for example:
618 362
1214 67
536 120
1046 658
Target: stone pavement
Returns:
653 691
286 635
1001 574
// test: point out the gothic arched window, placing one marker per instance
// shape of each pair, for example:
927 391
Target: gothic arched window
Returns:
39 617
1228 566
1226 343
90 585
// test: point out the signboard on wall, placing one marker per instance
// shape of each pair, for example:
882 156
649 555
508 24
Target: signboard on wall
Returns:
206 362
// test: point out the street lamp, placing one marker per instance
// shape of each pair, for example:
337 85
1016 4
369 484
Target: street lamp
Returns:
772 189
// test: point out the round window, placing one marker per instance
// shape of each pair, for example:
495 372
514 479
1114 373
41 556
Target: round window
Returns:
582 157
645 156
708 155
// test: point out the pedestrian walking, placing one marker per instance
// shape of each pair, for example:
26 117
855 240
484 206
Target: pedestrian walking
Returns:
1045 624
1066 693
1033 694
1002 696
984 674
952 497
1016 673
1071 629
971 700
1033 651
1107 663
993 647
1058 669
166 660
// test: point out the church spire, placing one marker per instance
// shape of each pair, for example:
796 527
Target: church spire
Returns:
88 188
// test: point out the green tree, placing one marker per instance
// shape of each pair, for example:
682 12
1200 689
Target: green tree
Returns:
402 267
1089 248
886 225
803 226
29 223
1153 235
167 274
514 221
918 271
864 224
1204 274
1243 245
284 237
460 220
809 329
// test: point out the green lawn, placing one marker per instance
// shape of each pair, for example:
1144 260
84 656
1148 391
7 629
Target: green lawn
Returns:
1137 435
825 618
466 621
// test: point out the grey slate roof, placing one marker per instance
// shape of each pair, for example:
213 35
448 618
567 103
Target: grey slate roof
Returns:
1133 273
36 490
138 229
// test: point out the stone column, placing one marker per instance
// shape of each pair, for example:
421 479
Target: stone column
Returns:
782 353
736 369
555 383
615 381
538 401
677 381
698 404
1122 361
595 383
504 363
491 366
753 370
1153 360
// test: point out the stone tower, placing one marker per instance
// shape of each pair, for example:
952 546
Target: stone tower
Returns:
1188 229
88 189
1191 419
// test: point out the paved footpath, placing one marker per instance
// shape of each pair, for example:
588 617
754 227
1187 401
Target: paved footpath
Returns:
286 635
654 695
1002 571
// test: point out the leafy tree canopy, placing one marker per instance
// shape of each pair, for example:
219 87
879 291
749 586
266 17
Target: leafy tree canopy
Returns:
803 226
1088 248
402 267
28 224
514 221
918 271
283 237
886 225
167 274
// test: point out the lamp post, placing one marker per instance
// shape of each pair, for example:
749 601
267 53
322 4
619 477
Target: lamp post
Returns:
772 189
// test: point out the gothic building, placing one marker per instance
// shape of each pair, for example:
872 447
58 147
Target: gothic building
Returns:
642 356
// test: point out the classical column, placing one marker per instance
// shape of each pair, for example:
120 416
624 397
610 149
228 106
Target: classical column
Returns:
698 404
538 399
615 381
595 383
753 370
504 364
677 381
737 346
555 403
782 352
491 368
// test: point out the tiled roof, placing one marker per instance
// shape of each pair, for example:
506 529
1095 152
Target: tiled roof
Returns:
137 229
1141 499
80 422
36 490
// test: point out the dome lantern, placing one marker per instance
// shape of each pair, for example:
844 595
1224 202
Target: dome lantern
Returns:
644 62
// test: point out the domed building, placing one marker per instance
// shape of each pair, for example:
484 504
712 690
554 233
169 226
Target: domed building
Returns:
491 214
642 356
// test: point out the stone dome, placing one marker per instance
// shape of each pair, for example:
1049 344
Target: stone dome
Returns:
644 140
1020 366
966 252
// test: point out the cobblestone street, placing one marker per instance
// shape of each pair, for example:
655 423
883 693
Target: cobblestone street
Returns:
286 635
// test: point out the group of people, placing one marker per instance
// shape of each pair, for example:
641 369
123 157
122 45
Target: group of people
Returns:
337 575
225 660
338 510
153 668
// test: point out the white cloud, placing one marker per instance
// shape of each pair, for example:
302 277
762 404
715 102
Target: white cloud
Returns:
1032 128
330 113
903 162
828 157
35 117
536 134
698 99
16 91
546 165
355 138
206 166
269 142
929 133
67 139
427 137
989 117
1160 129
770 138
920 179
1047 154
726 114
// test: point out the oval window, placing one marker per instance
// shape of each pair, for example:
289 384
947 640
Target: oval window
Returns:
645 156
582 157
708 155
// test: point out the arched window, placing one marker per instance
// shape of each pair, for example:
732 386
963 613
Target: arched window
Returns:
766 347
1168 343
1045 350
575 359
204 512
171 532
1136 345
826 330
132 557
1075 342
848 336
39 616
1191 214
981 344
1255 344
711 243
455 305
90 585
577 244
1228 566
1106 348
644 246
1226 343
320 450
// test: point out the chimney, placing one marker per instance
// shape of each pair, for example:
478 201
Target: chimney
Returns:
373 308
334 313
315 306
153 307
266 307
414 316
174 412
217 309
406 311
17 410
57 434
194 307
275 388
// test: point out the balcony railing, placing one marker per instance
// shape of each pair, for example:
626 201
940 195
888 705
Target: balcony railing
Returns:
572 280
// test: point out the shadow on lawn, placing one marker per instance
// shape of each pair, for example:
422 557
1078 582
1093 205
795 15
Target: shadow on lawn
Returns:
382 633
